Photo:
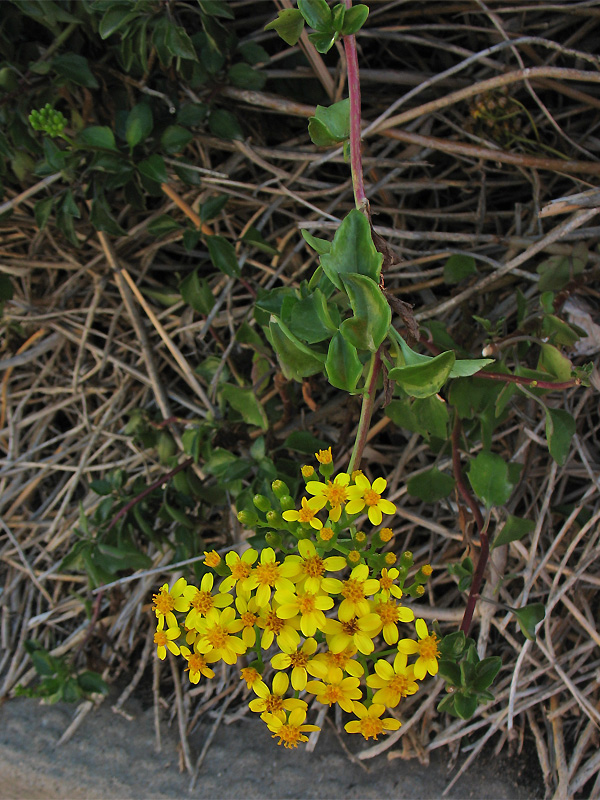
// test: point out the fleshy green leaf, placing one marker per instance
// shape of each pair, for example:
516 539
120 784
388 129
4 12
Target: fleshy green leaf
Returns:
513 530
488 475
322 246
244 401
469 366
465 705
76 69
243 76
98 136
222 255
179 43
529 617
431 485
42 210
310 319
354 19
343 366
425 378
323 42
316 13
139 125
223 124
560 427
352 251
174 138
485 672
367 329
102 219
163 225
557 271
154 169
289 25
115 18
458 267
330 125
196 292
297 360
554 362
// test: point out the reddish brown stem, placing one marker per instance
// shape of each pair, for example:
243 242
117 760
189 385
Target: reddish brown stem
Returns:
533 382
355 120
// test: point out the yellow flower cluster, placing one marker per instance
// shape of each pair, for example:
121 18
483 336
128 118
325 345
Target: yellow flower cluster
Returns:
316 618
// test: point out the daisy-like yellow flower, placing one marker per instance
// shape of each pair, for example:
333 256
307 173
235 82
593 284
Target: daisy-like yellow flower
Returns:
216 639
165 639
269 574
273 701
310 568
308 606
393 682
241 570
358 632
426 647
343 660
324 456
286 630
391 613
333 492
166 601
248 611
387 585
250 675
301 664
197 665
306 514
355 591
204 600
369 721
363 494
336 689
291 730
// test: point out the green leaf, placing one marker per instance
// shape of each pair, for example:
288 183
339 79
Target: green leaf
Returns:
175 138
222 255
452 645
102 219
323 42
554 362
253 53
244 401
310 319
179 43
101 486
154 168
192 113
224 124
76 69
139 125
488 475
42 210
316 13
243 76
255 238
343 366
513 530
216 8
469 366
458 267
557 271
92 683
304 442
449 671
330 125
558 331
465 705
289 25
322 246
163 225
354 19
114 18
431 485
425 378
529 617
485 672
213 207
6 288
196 292
367 329
297 360
352 251
98 136
560 427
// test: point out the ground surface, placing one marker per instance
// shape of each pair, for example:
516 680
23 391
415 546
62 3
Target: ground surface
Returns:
111 757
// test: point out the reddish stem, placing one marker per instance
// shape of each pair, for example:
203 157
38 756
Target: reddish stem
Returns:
533 382
358 185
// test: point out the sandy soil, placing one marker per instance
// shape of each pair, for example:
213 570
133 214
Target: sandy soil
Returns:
111 757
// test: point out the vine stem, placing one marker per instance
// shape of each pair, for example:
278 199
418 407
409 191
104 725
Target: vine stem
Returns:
366 412
481 528
358 184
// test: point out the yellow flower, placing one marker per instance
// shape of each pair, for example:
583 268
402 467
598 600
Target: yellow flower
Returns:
369 722
176 599
165 639
336 689
358 631
248 611
286 630
216 638
333 492
363 494
307 471
273 702
250 675
326 534
387 584
391 613
241 570
309 567
355 591
300 662
390 559
306 514
197 665
343 660
203 601
386 534
290 730
212 559
309 606
392 682
426 647
267 574
324 456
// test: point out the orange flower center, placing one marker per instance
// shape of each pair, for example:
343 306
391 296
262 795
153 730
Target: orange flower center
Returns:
274 703
217 637
371 498
306 513
353 590
163 603
428 647
240 571
385 582
388 612
336 494
250 675
203 602
268 573
350 627
314 566
371 727
337 659
306 603
298 659
160 638
273 622
196 663
332 694
248 619
289 735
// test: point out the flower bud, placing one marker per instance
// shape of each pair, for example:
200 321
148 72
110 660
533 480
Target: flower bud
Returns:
247 518
261 502
286 502
275 519
273 539
280 489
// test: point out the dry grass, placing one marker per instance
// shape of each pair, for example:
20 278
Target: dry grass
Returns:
93 345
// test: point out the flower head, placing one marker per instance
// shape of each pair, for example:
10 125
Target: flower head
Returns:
426 647
369 722
387 585
212 559
177 598
336 689
306 514
241 570
250 675
355 591
272 701
197 665
269 574
391 613
324 456
164 639
203 601
363 494
286 630
291 729
309 568
334 493
300 662
358 632
217 638
393 682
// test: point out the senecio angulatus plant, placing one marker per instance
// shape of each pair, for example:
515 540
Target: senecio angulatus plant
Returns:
321 602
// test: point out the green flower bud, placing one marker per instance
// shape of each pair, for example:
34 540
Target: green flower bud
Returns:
279 489
273 539
286 502
275 519
247 518
407 559
261 502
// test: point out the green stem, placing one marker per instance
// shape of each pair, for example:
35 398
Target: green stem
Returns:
366 412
